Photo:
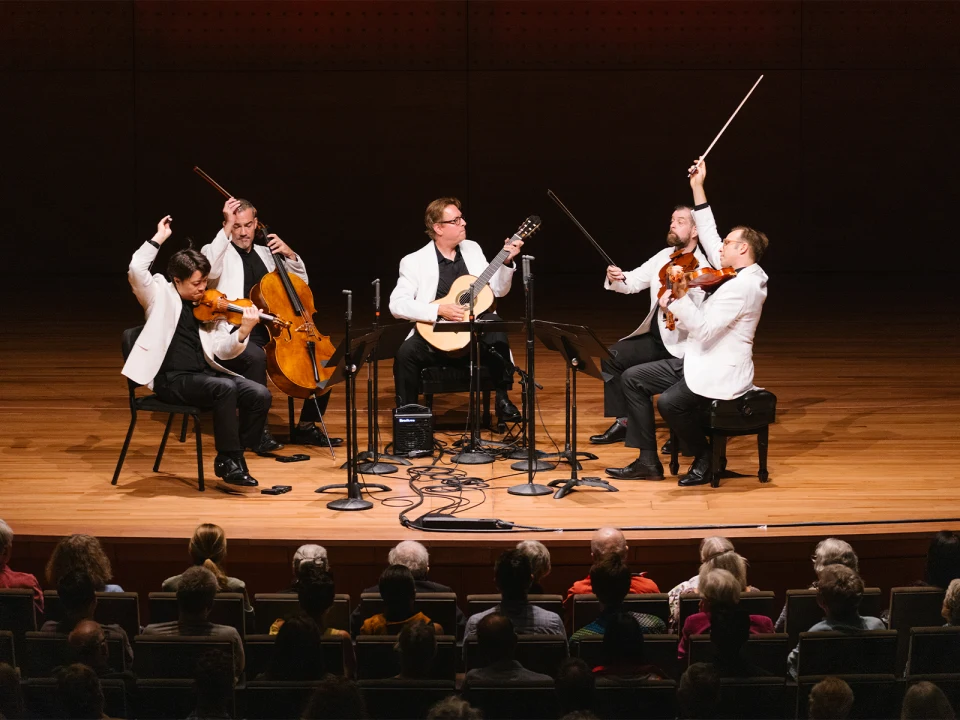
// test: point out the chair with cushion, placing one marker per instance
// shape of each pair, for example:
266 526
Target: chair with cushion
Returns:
658 650
113 608
7 654
617 699
41 700
803 612
455 379
481 603
508 702
913 607
871 652
755 602
377 657
403 699
227 609
268 699
46 651
934 650
874 696
755 698
539 653
768 651
750 414
174 656
440 607
165 698
258 649
271 606
586 608
17 614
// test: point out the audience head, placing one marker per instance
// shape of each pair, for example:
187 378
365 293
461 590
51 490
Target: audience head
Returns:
718 589
77 594
496 638
830 699
608 540
730 561
610 580
196 592
925 701
6 543
513 575
712 546
208 547
699 693
89 643
839 590
412 555
454 708
296 651
575 685
11 698
729 631
943 559
398 590
315 591
418 649
310 555
623 641
80 552
951 603
336 698
213 677
834 551
539 558
79 692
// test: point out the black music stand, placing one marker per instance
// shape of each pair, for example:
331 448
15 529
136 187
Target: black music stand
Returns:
346 370
577 344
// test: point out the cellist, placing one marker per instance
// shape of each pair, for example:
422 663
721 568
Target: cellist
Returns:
236 265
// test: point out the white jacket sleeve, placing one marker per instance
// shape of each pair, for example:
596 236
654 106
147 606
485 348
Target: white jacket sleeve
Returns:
214 252
138 273
634 281
712 319
709 237
298 268
226 343
502 280
403 302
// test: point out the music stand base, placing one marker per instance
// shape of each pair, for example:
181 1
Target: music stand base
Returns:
380 458
529 489
376 468
524 454
538 465
349 504
569 484
473 458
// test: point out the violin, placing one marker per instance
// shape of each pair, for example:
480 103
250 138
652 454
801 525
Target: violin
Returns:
687 262
215 306
707 279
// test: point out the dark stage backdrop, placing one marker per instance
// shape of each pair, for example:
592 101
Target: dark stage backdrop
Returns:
342 119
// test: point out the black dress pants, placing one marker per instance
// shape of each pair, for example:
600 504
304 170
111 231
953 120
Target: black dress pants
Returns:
415 354
252 364
640 384
627 354
681 408
228 396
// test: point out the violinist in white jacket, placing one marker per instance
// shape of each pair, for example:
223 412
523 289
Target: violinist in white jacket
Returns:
177 355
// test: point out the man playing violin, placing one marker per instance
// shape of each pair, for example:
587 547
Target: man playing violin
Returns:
178 356
718 361
653 340
428 274
237 263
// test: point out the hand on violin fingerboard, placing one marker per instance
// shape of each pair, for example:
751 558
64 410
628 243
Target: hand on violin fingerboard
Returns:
277 245
251 316
163 230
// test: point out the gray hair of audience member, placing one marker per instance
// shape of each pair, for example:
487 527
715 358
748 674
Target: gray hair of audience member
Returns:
575 685
539 558
336 698
713 545
732 562
417 644
699 692
310 555
719 588
11 697
925 701
6 541
834 551
951 603
454 708
79 692
196 590
830 699
608 540
413 555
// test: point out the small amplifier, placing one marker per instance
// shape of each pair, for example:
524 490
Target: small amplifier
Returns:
412 430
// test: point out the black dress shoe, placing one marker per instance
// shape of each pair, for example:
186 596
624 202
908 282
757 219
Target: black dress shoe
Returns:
638 470
233 471
615 433
268 443
507 411
699 473
312 436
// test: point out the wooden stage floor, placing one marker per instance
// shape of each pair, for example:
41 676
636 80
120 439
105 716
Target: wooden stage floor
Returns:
869 404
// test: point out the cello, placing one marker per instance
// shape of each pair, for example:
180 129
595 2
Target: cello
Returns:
296 353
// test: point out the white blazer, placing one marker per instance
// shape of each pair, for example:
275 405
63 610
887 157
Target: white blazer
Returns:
162 305
648 276
226 267
719 360
419 274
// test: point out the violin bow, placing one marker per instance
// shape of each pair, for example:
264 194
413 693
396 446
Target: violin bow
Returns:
582 229
742 102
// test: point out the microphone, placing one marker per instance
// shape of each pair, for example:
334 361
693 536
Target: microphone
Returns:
525 262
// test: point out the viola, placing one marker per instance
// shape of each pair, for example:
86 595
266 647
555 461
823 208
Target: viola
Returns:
215 306
685 262
707 279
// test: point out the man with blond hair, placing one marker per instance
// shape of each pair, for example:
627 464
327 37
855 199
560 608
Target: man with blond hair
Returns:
610 540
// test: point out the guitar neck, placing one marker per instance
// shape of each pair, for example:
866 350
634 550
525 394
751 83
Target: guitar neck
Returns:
492 268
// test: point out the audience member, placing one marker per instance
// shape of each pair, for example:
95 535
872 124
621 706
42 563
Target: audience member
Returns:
719 590
196 591
417 645
698 696
610 540
496 645
304 556
208 548
513 577
579 715
539 557
399 592
89 643
575 686
729 631
336 698
454 708
412 555
839 590
610 579
213 679
830 699
11 699
622 651
79 692
943 559
951 603
831 551
11 579
84 553
296 652
925 701
710 547
78 599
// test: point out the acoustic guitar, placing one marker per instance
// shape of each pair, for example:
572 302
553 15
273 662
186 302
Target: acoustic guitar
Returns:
483 299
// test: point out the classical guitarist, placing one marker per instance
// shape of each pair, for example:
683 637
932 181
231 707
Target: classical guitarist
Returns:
427 275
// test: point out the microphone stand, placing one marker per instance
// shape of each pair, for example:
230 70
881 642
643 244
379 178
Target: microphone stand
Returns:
472 453
532 464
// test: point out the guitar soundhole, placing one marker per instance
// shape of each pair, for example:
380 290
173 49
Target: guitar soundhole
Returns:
463 299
